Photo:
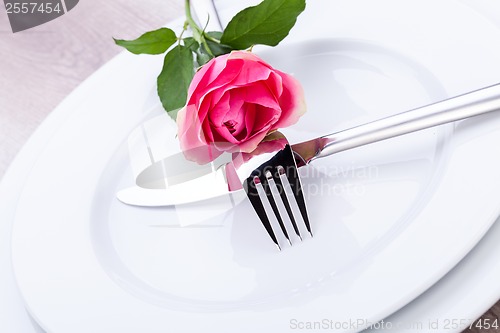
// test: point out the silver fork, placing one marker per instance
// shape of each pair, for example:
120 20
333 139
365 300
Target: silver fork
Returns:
263 172
260 174
267 171
272 170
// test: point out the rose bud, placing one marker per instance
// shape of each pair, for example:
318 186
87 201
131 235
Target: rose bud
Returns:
233 103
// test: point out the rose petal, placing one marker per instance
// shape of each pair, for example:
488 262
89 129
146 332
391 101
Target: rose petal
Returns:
223 83
207 73
251 72
222 134
249 145
292 102
234 102
207 130
256 93
275 84
265 117
214 79
236 117
189 127
192 140
203 154
218 112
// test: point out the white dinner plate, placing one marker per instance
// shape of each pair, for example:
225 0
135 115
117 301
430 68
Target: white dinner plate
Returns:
456 301
85 262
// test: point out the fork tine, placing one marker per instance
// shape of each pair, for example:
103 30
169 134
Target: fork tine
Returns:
294 180
277 179
253 195
265 184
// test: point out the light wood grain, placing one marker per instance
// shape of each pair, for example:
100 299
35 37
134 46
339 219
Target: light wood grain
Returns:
40 67
492 315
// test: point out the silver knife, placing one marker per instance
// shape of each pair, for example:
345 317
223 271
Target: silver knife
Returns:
190 183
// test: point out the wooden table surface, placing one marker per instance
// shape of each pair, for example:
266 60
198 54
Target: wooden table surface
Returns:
41 66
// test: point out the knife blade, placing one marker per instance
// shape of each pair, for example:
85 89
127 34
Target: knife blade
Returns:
214 184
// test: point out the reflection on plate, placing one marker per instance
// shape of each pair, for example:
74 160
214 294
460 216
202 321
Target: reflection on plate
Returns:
225 262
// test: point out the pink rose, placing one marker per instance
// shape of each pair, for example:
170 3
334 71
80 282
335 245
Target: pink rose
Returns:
234 102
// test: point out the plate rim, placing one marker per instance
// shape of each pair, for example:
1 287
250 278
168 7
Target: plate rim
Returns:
467 251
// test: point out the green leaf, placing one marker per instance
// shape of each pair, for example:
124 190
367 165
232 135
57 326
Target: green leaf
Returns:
152 42
202 57
217 48
174 79
191 43
267 23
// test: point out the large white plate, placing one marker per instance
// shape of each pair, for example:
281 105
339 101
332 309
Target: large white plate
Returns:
464 294
83 259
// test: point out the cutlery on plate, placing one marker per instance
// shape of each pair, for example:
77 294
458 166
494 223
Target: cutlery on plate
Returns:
271 176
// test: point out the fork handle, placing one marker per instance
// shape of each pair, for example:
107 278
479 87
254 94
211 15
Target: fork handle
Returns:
463 106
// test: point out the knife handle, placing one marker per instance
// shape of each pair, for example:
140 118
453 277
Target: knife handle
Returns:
456 108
